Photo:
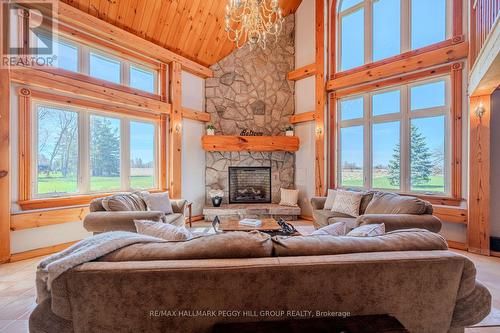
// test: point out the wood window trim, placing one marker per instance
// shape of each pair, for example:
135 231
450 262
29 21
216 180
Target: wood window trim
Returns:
455 72
457 37
25 97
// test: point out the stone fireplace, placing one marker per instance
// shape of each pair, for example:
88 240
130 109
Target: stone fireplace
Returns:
249 184
250 91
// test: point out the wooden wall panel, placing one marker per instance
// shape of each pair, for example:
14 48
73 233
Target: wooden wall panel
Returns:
47 217
479 177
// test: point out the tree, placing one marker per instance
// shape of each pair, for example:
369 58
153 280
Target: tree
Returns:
420 157
105 148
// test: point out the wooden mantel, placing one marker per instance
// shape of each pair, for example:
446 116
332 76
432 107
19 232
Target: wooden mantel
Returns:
250 143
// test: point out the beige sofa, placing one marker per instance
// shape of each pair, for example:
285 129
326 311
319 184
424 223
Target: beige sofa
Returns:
394 210
409 274
100 220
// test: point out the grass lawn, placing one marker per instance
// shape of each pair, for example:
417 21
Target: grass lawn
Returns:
59 184
381 181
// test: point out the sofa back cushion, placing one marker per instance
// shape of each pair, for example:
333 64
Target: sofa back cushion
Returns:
122 202
236 244
392 203
400 240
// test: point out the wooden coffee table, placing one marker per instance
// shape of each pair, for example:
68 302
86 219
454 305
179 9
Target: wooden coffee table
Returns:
267 225
234 225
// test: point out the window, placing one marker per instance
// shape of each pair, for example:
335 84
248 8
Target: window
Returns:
66 52
372 30
143 79
407 148
104 67
81 152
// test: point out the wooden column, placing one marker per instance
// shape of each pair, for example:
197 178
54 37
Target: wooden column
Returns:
478 230
4 165
175 131
320 99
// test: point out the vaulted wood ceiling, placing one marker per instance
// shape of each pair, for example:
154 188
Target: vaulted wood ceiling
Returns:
191 28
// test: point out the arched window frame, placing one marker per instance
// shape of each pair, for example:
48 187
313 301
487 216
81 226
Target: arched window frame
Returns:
454 33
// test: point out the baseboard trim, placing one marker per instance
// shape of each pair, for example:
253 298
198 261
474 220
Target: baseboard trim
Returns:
39 252
457 245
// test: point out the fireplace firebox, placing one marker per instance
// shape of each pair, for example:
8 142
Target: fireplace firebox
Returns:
249 184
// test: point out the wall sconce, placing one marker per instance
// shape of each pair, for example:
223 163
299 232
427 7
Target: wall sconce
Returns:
480 110
319 130
178 128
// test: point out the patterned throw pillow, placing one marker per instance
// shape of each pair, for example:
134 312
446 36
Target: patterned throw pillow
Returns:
162 230
158 202
347 202
335 229
368 230
330 199
289 197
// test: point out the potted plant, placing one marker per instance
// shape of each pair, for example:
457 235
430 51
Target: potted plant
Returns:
216 196
289 130
210 129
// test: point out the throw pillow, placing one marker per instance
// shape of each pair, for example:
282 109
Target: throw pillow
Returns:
158 202
334 229
162 230
124 202
368 230
289 197
347 202
330 199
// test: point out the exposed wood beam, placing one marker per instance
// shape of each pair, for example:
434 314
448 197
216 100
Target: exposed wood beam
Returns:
303 117
5 178
175 131
195 115
302 72
320 99
48 217
250 143
54 82
405 63
99 28
478 231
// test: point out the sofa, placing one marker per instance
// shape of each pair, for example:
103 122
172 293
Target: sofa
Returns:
394 210
188 286
127 208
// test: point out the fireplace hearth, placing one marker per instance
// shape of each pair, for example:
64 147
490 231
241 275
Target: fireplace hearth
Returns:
249 184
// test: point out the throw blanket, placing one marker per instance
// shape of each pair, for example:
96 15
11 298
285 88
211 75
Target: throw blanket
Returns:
84 251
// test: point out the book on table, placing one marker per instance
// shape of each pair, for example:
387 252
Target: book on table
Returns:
251 222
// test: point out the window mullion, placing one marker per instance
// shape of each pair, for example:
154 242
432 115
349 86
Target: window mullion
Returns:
125 154
367 174
368 42
404 150
84 152
405 25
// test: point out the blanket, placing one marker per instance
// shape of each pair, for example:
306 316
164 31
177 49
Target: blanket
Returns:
84 251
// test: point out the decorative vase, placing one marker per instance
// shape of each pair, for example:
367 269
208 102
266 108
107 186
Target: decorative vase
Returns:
289 133
217 201
210 131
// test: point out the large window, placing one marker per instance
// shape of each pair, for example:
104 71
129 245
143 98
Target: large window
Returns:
100 64
397 138
372 30
81 151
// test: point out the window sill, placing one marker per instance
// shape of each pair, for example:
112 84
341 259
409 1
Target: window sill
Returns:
76 200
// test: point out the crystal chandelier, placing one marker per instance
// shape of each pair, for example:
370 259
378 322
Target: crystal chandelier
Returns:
253 21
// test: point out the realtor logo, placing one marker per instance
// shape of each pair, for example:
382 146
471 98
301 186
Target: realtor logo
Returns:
28 33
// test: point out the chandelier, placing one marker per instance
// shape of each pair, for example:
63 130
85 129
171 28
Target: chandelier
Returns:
253 21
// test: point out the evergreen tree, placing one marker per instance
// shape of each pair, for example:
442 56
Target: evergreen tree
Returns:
420 157
105 148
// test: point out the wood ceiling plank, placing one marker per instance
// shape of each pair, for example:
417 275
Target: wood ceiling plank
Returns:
196 37
123 6
150 18
113 11
189 26
169 22
203 41
180 15
210 38
144 11
155 30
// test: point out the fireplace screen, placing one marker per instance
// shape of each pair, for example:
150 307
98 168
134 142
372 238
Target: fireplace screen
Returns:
249 184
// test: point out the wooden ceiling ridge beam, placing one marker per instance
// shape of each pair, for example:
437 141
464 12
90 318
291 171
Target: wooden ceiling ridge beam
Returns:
106 31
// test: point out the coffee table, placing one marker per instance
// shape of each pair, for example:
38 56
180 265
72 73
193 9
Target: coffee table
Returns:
234 225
